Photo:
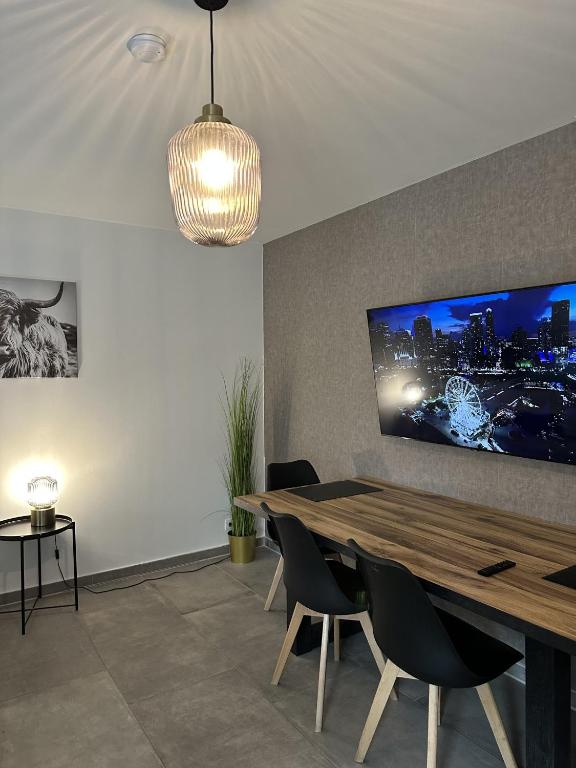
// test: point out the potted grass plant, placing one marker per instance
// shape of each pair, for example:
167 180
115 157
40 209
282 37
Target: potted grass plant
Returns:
241 405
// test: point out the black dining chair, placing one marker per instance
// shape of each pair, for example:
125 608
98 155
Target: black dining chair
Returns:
425 643
279 476
322 588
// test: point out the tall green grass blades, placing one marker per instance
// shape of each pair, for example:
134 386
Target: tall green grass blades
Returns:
241 404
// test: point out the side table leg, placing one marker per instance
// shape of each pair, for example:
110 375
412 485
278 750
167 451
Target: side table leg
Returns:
75 565
22 601
39 567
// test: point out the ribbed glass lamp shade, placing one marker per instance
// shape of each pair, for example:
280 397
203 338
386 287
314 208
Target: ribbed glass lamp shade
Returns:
214 172
42 492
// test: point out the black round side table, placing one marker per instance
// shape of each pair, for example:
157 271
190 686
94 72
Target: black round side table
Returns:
20 529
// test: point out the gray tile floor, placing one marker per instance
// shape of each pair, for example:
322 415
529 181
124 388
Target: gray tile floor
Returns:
176 673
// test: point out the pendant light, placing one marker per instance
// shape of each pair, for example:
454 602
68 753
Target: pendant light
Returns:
214 171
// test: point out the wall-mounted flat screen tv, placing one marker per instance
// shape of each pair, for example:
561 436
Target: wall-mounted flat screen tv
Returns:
493 372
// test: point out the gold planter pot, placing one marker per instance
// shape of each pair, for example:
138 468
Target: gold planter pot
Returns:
242 548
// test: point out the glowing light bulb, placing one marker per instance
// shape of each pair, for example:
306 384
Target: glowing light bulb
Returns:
42 492
215 205
20 475
216 169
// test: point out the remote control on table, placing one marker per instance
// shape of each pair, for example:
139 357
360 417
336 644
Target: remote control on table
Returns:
490 570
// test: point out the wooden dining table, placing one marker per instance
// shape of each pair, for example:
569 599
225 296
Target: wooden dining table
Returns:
445 541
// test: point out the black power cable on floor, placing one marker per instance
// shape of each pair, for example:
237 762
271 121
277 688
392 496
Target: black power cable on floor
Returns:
116 589
138 583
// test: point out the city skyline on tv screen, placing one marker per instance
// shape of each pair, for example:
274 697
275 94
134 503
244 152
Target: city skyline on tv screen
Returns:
493 372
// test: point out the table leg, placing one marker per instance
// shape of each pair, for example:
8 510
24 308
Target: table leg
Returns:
75 565
39 567
22 596
548 693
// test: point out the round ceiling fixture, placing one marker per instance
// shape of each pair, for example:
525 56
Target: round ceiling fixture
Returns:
214 172
147 47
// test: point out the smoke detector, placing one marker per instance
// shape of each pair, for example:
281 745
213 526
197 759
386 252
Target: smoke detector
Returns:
147 47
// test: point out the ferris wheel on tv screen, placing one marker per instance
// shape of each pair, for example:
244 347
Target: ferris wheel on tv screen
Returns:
463 401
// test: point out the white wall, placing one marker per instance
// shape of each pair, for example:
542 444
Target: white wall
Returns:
138 435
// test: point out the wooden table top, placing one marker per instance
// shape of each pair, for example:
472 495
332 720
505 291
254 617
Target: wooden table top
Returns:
445 541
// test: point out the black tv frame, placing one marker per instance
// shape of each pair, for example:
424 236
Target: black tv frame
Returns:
450 298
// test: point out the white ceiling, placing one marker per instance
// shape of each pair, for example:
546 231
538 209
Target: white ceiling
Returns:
348 99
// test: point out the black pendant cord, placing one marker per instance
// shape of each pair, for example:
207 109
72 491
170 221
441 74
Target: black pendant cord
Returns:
211 57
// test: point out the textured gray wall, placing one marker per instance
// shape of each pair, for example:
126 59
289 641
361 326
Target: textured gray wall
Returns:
505 221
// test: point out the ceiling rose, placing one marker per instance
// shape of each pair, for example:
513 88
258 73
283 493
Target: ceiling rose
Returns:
147 47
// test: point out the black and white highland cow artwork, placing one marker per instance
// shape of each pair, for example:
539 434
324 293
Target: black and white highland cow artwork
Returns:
38 329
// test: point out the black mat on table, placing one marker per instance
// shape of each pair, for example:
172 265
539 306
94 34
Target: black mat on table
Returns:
566 577
338 490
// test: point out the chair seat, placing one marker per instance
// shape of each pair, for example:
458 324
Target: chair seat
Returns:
350 582
485 657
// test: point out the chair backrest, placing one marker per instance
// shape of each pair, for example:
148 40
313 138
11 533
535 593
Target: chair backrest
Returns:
307 576
290 474
407 627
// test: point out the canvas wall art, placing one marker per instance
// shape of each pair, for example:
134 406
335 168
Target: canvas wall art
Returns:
38 329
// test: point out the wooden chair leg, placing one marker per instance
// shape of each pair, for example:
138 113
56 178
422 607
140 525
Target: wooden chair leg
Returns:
439 722
365 621
336 638
380 700
493 715
275 583
295 622
322 672
433 702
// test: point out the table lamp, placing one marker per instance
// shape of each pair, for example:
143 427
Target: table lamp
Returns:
42 497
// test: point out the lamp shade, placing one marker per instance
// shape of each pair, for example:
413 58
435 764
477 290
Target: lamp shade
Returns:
214 174
42 492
